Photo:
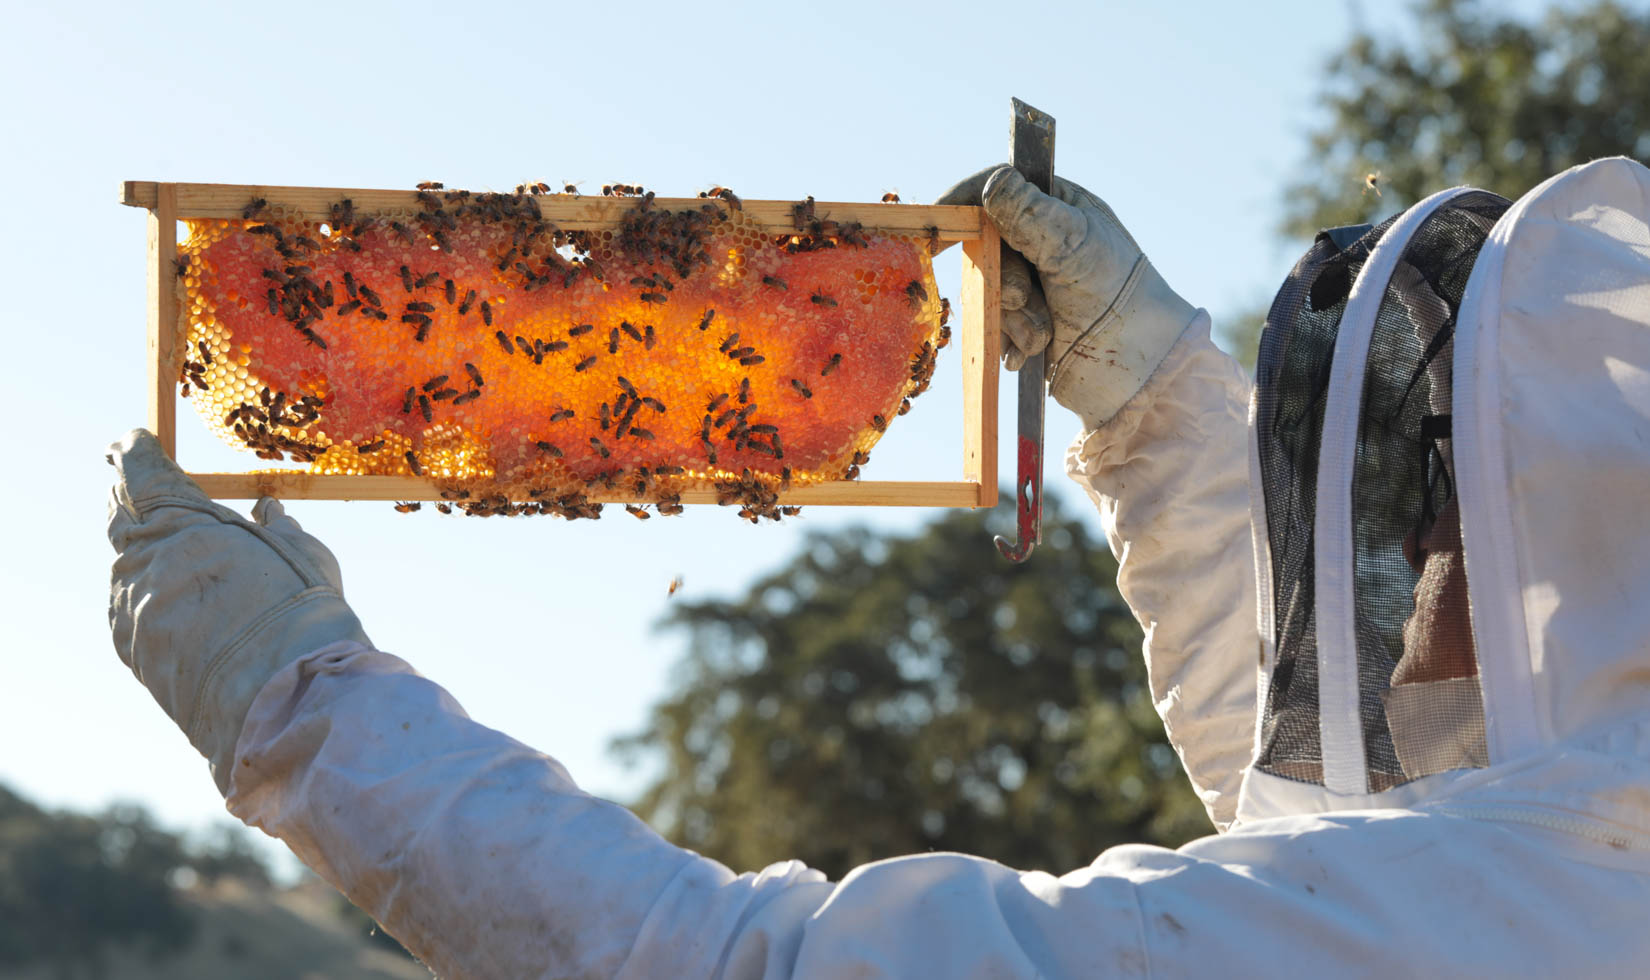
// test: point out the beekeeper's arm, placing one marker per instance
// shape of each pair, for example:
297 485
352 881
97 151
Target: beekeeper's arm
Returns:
1162 454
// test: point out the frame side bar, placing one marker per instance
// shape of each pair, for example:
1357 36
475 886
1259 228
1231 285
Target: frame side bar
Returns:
163 319
980 341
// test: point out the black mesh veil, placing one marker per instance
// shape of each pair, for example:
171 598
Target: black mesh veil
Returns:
1407 578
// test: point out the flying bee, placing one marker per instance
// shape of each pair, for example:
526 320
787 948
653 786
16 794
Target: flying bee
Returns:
704 322
1372 182
821 299
370 447
407 506
801 388
585 363
916 293
412 463
891 197
676 581
775 282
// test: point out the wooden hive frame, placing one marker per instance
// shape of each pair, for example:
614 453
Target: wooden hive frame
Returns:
977 333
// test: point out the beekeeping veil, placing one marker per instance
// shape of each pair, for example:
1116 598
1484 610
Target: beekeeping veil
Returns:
1384 427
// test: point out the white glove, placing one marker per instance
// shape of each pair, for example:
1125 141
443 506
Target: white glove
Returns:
205 605
1104 314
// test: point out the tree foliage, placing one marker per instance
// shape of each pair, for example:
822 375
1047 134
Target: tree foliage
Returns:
879 696
1478 98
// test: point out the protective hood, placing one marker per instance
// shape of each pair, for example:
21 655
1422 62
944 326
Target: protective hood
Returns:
1450 477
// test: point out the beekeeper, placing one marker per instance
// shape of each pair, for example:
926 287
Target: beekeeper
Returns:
1427 744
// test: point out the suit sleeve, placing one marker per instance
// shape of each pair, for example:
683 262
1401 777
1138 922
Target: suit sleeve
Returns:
1169 475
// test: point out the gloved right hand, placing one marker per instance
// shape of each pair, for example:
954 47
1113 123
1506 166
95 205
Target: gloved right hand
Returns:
205 605
1104 315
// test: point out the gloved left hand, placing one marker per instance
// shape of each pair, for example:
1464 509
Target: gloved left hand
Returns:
205 605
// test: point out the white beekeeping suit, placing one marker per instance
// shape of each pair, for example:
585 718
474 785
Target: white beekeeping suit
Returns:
1453 405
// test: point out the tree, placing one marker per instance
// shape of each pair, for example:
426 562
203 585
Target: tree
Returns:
883 696
1479 99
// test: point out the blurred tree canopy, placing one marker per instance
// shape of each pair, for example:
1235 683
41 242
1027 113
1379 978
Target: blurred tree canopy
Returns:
880 696
1478 98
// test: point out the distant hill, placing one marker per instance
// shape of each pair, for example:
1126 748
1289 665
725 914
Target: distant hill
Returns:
250 933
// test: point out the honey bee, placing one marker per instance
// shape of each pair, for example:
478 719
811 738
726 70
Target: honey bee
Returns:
731 198
580 330
504 341
630 328
625 384
916 293
775 282
744 390
752 360
905 406
407 400
596 444
613 340
654 403
891 197
444 508
412 463
704 322
569 188
435 382
716 403
426 279
585 363
407 506
252 208
643 434
676 581
933 239
801 388
605 418
424 407
443 394
370 447
790 510
430 185
1372 182
407 278
561 414
468 396
474 373
728 343
879 423
486 313
556 345
637 511
451 292
653 297
821 299
548 448
370 296
802 212
313 338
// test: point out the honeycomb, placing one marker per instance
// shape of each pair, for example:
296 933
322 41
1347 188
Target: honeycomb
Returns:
523 369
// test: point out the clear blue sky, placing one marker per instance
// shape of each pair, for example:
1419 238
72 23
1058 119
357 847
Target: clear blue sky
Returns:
1188 117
